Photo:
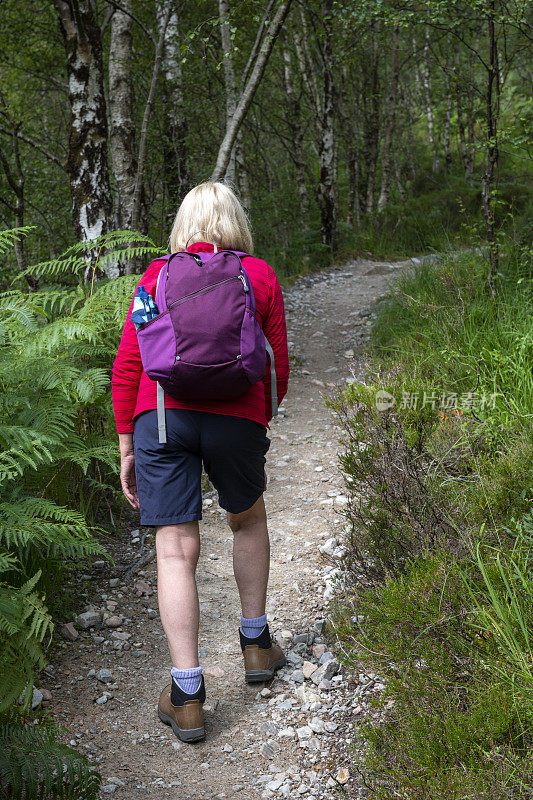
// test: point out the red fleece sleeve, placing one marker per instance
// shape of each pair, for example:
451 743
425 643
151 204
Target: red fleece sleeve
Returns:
127 367
275 330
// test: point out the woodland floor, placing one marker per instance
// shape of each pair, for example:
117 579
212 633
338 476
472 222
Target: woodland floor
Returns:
243 754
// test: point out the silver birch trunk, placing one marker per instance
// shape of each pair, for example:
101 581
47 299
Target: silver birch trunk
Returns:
158 58
386 155
121 121
426 80
175 147
295 126
87 163
226 147
448 117
372 120
229 80
470 114
326 147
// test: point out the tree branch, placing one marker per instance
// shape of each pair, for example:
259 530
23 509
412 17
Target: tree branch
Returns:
141 25
255 48
37 146
147 110
247 95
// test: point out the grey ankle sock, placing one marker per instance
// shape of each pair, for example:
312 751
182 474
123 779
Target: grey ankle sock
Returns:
187 679
253 627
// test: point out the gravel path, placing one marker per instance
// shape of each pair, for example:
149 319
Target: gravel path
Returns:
287 739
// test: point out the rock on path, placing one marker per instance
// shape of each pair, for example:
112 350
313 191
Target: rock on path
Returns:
287 739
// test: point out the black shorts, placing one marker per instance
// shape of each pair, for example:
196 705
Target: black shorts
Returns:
169 476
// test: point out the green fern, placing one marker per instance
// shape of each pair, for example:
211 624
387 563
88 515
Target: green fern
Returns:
24 624
34 765
109 248
9 237
58 462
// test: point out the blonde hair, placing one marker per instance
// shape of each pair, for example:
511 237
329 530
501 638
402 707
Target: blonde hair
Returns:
213 208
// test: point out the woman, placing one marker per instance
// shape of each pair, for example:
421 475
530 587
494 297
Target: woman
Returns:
229 438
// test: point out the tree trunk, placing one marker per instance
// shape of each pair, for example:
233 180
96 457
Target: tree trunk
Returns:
470 116
347 113
229 79
426 80
391 115
158 58
372 119
176 128
448 118
87 163
326 147
16 181
492 111
226 147
122 124
296 132
308 73
459 99
399 184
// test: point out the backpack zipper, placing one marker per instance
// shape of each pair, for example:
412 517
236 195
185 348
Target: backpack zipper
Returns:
208 289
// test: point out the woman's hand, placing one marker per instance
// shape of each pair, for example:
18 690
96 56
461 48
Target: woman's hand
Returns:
127 469
128 480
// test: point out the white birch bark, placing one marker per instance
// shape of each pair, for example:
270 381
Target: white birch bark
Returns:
175 148
295 125
122 124
146 117
229 80
326 148
426 80
224 153
386 155
87 163
448 117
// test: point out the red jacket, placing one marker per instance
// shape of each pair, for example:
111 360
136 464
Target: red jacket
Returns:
133 391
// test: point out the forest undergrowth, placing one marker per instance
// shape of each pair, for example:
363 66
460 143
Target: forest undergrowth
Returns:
437 585
60 490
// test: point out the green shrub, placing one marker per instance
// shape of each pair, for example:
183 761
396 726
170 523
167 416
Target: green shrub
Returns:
438 575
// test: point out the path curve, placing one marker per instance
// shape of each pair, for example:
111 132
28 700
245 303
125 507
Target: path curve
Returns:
280 742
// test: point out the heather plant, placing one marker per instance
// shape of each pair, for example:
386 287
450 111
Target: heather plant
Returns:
437 577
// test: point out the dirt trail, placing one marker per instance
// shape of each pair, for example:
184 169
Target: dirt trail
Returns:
244 755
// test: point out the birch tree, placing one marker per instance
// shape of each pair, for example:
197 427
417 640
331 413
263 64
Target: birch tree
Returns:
87 163
121 106
326 148
386 153
248 92
229 79
175 134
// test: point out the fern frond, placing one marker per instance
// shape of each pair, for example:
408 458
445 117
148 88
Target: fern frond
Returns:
34 765
9 237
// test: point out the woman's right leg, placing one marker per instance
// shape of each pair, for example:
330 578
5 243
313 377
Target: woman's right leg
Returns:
251 557
178 548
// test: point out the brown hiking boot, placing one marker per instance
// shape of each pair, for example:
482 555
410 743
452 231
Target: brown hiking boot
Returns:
183 711
262 656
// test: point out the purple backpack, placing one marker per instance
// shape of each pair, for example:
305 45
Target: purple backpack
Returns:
206 342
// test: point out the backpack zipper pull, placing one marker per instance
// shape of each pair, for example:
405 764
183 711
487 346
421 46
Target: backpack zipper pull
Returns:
243 279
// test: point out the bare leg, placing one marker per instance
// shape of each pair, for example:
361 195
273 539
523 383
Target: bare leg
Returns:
178 548
251 558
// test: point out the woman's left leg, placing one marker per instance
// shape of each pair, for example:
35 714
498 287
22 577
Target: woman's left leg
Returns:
178 549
